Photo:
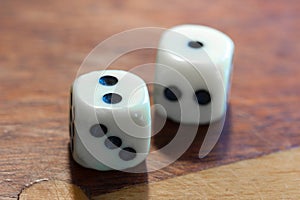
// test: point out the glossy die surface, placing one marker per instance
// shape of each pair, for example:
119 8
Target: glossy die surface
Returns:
193 72
110 120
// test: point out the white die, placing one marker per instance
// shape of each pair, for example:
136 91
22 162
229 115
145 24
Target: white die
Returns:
110 120
193 72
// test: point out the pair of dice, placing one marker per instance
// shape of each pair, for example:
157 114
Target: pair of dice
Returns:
110 119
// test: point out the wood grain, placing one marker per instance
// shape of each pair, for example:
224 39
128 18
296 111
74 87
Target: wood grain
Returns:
43 45
275 176
52 190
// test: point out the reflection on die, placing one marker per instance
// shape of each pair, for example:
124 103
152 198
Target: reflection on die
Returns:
193 70
109 120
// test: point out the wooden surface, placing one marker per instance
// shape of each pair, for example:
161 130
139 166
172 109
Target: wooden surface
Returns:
42 45
52 190
261 178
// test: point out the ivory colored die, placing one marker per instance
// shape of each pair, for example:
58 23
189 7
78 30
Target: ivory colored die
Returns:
110 120
193 70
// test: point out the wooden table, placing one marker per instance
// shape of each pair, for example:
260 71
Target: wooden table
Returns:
42 45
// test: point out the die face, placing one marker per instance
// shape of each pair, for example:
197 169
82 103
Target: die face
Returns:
92 89
197 61
216 48
194 104
117 135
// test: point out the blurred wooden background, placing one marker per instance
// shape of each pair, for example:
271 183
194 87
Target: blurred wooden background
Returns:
43 43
